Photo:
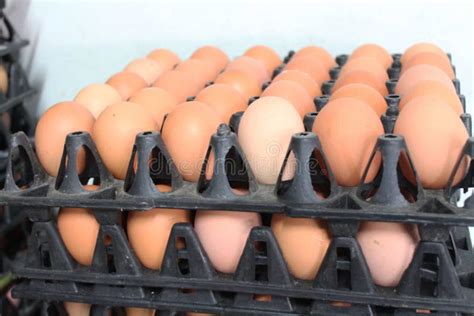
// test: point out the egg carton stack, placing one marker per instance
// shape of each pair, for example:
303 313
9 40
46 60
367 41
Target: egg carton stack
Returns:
270 275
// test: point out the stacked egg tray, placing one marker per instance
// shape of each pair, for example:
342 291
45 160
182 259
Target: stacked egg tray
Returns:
439 279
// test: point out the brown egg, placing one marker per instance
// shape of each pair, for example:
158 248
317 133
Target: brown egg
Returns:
302 79
318 53
435 137
388 249
135 311
440 61
420 48
251 66
201 70
373 51
77 309
178 83
51 131
360 76
97 96
363 93
313 67
433 89
348 130
186 134
213 54
148 231
146 68
3 79
417 74
303 243
371 65
121 121
246 85
126 83
223 99
79 229
266 55
165 58
156 101
292 92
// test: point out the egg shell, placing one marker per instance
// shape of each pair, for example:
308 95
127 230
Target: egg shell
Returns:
433 89
213 54
126 83
313 67
223 235
292 92
388 249
146 68
276 120
435 137
3 79
223 99
202 71
319 54
373 51
418 48
251 66
266 55
121 121
363 93
348 130
165 58
77 309
440 61
178 83
247 85
303 243
134 311
417 74
97 96
303 79
371 65
51 131
186 134
360 76
155 101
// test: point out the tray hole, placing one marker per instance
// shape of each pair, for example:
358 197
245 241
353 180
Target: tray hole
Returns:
462 243
343 254
22 170
319 174
180 243
159 168
262 298
183 266
467 280
109 251
260 248
236 172
187 291
45 255
429 276
261 272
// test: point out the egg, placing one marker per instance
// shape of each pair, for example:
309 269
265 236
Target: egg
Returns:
77 309
201 70
126 83
313 67
223 99
439 61
360 76
348 130
97 96
79 229
433 89
155 101
214 55
3 79
121 121
247 85
303 79
417 74
266 55
146 68
186 134
364 93
373 51
223 235
51 131
148 231
303 243
276 120
371 65
420 48
388 249
319 54
178 83
165 58
292 92
435 137
134 311
251 66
